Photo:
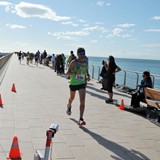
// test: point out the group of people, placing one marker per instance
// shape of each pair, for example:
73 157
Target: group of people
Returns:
79 75
38 57
58 63
108 78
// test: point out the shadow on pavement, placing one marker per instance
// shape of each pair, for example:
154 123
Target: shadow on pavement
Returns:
96 95
98 90
121 152
31 66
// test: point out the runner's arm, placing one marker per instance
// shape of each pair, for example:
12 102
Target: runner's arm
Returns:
70 71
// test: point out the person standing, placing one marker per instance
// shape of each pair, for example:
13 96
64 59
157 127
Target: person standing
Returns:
37 55
112 69
53 61
70 58
28 57
103 74
63 62
20 56
78 72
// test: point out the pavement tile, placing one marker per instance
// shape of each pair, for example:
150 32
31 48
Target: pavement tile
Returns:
62 151
7 133
38 132
23 134
21 125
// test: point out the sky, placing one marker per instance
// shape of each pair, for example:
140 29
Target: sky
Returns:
122 28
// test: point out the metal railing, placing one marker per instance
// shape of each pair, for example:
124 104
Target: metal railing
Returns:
126 77
3 65
93 67
4 59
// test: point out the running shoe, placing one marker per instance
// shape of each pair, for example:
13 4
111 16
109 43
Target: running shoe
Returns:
109 100
68 110
81 122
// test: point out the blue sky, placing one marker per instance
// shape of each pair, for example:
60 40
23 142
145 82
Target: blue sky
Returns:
122 28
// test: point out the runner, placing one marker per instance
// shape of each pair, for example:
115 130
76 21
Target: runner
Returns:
78 72
20 56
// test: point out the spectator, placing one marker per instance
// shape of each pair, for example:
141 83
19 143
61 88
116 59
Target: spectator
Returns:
44 54
63 63
71 57
37 55
53 61
112 69
28 57
103 74
139 95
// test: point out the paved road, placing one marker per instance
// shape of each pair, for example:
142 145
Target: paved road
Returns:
40 100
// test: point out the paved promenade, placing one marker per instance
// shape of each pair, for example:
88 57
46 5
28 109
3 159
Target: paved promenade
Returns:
40 100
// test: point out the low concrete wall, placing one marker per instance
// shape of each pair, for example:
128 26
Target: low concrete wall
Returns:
4 59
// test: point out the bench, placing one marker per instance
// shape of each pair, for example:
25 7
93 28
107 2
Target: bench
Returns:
152 97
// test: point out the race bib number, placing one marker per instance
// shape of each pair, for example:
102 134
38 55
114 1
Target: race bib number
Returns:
80 77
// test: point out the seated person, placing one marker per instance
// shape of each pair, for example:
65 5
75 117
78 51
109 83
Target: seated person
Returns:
140 95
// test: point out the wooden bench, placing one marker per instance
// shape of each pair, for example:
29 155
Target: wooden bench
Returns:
152 97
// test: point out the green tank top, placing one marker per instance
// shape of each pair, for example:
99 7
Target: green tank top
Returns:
79 79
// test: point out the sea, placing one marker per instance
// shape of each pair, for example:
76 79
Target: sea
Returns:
131 73
133 69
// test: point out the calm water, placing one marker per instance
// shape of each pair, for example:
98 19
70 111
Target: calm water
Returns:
140 65
131 64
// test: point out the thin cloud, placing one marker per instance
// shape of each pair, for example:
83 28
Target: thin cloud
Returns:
152 30
126 25
27 10
65 37
103 3
69 35
4 3
95 28
121 30
84 32
100 3
82 21
99 23
15 26
8 6
156 18
117 31
71 23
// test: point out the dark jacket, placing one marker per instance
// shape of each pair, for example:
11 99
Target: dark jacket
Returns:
147 83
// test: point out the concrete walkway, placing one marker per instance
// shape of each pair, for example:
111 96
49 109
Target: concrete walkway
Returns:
40 100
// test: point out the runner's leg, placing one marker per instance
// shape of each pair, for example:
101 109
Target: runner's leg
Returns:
71 98
82 95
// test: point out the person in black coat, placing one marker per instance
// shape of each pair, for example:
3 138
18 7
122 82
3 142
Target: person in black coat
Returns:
103 74
112 70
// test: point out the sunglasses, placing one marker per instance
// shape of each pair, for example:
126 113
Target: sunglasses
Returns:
81 53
